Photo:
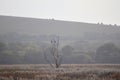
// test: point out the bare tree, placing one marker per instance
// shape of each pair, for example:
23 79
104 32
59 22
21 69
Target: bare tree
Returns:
54 52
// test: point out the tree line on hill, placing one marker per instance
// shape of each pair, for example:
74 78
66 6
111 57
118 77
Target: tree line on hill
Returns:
31 53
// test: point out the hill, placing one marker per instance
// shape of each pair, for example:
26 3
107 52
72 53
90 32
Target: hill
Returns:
23 40
33 26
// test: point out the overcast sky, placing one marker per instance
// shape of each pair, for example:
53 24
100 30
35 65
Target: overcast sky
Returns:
92 11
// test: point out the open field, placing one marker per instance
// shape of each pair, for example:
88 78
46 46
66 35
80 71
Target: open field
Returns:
65 72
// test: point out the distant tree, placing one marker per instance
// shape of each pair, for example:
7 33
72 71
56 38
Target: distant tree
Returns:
54 52
98 23
108 53
101 23
67 50
115 25
78 59
2 46
34 58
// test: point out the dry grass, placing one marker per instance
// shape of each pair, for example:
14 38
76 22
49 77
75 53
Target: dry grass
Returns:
65 72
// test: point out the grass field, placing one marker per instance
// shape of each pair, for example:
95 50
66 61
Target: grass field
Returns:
65 72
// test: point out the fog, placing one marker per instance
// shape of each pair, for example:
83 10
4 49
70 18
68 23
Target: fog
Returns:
23 41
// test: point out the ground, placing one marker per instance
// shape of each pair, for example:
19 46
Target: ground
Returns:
65 72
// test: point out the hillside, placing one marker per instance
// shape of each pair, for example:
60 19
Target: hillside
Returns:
22 40
52 27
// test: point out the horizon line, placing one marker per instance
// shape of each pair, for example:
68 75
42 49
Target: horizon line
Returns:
99 23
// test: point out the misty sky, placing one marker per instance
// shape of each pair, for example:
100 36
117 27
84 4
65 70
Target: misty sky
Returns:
106 11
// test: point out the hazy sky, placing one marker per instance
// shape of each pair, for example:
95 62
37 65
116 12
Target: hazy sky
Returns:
106 11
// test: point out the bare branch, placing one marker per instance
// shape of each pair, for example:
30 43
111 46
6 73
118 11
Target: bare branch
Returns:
46 58
54 50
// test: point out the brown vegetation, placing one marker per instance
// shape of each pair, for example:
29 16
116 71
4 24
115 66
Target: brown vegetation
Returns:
65 72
